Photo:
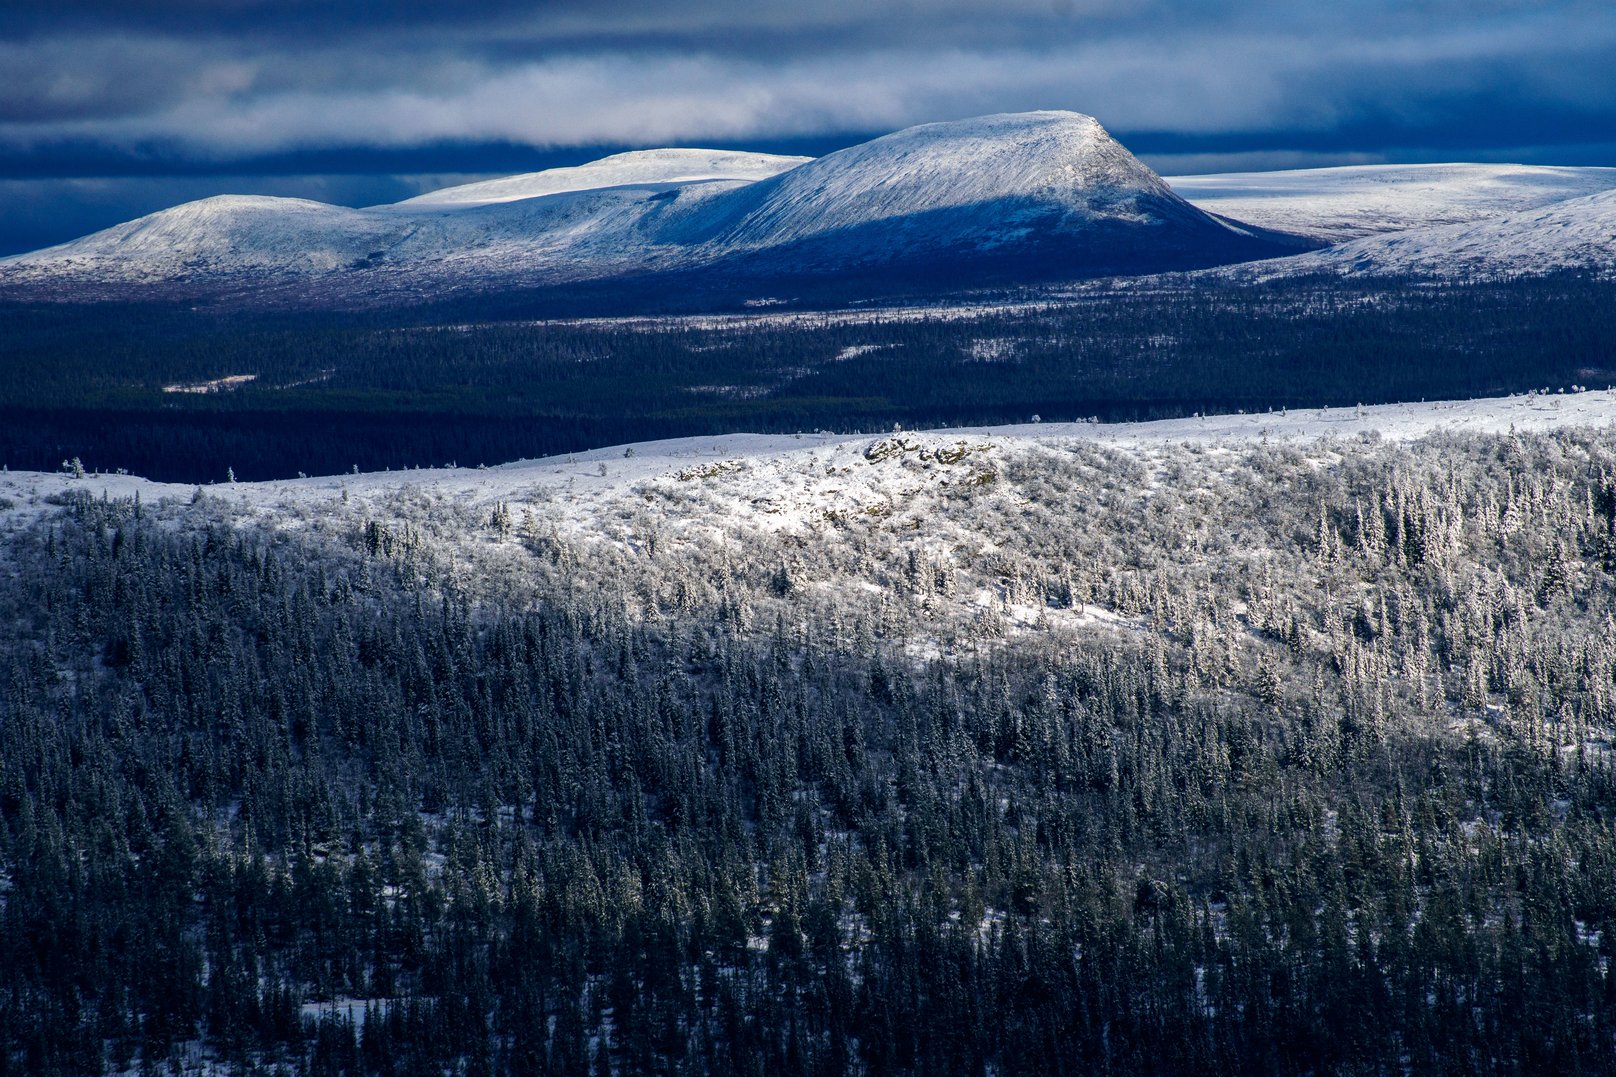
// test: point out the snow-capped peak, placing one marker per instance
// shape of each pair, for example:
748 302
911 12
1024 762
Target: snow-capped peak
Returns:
1050 159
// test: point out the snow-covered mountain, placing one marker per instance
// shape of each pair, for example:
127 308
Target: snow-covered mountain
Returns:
1037 189
238 233
1001 199
1340 204
639 168
1043 194
562 223
1577 234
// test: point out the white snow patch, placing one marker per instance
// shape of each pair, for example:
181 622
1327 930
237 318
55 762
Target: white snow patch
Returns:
639 168
1578 234
1351 202
215 385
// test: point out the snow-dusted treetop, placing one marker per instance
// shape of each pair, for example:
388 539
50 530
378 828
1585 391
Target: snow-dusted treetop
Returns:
773 456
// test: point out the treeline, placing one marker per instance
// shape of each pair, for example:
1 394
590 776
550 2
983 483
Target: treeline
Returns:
417 788
337 391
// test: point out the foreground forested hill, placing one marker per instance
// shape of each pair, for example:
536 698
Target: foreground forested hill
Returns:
947 755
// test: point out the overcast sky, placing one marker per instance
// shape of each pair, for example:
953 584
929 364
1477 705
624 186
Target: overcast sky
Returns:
112 108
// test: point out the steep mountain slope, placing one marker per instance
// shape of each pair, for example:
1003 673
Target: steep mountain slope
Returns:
1039 193
1577 234
1339 204
1001 198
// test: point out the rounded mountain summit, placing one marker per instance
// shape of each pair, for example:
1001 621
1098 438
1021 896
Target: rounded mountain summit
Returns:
996 200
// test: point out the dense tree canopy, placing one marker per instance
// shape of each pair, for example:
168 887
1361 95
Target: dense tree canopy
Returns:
405 786
335 392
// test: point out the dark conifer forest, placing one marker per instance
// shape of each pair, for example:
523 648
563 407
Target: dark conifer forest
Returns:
746 538
449 384
1282 759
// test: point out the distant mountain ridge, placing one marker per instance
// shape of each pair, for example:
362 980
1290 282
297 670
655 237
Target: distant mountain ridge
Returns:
1039 194
1350 202
1011 199
1578 234
637 168
1005 198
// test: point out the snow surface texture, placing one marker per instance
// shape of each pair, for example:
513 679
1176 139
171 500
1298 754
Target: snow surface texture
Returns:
1339 204
1036 179
573 231
1036 162
1579 234
640 168
788 479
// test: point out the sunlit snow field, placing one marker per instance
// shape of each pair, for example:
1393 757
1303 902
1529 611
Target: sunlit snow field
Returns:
762 473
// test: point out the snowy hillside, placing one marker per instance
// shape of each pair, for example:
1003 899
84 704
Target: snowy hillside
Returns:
640 168
784 479
227 234
574 230
990 181
1045 193
235 235
1013 198
1338 204
853 513
1579 234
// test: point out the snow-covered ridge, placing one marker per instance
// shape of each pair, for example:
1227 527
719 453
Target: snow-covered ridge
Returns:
1579 234
856 460
1010 198
1043 192
242 232
1062 161
638 168
1351 202
949 503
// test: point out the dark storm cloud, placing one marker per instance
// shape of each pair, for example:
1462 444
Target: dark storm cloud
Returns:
126 87
241 77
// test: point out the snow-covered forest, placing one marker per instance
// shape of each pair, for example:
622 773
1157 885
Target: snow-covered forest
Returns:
924 754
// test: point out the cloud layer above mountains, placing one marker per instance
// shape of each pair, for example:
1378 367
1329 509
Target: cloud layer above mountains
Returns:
153 87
